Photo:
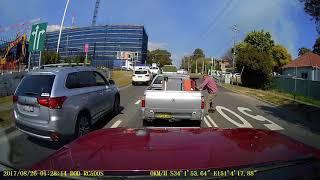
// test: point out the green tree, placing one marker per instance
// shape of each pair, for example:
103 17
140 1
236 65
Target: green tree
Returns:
312 8
50 57
316 46
159 56
281 57
303 50
198 53
257 66
260 40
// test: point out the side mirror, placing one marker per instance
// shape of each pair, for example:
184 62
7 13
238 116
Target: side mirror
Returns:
111 82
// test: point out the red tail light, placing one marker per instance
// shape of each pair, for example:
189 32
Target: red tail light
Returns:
55 136
143 103
14 99
202 103
52 103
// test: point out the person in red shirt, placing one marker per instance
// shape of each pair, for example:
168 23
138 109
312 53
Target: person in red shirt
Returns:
210 85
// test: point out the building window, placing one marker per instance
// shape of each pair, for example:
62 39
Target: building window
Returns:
304 75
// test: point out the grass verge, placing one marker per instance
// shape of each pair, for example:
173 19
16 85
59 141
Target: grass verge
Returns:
273 96
6 118
121 78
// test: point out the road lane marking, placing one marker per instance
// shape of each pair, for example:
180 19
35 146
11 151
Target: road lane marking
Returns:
206 121
244 124
272 126
137 102
212 122
116 124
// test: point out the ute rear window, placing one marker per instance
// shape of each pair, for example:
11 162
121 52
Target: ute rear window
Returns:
140 72
35 85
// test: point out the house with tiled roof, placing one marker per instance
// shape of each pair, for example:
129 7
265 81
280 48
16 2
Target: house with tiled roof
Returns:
306 66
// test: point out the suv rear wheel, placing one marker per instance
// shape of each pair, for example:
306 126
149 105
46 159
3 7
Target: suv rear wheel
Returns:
83 125
116 106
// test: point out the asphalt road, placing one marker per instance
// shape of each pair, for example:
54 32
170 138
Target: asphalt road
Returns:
232 111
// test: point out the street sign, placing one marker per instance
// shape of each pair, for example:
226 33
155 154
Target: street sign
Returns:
86 48
37 37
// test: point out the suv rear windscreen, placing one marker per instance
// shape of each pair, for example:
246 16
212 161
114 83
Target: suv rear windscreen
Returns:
35 85
140 72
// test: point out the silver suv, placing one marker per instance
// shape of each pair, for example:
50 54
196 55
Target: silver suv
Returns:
57 103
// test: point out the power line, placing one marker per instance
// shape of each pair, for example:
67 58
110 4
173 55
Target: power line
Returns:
215 20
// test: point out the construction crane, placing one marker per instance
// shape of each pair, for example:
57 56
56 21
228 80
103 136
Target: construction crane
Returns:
95 13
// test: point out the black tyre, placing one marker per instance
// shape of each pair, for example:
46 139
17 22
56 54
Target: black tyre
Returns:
116 106
83 125
146 123
133 83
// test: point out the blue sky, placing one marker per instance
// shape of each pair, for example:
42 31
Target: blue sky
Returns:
179 25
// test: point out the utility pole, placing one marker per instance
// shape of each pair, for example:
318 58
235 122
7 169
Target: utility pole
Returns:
196 66
235 31
212 65
203 66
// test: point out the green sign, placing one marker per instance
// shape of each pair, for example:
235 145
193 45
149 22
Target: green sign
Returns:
37 37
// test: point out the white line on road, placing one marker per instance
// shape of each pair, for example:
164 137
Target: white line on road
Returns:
213 123
206 121
116 124
137 102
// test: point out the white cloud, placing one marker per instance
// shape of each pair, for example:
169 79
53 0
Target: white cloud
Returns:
56 27
154 45
53 27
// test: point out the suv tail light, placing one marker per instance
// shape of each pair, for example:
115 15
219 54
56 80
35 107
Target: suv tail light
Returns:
52 103
202 103
133 75
14 99
143 103
147 75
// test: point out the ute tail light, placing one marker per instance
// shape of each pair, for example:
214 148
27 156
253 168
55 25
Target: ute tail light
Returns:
202 103
143 103
52 103
14 99
55 136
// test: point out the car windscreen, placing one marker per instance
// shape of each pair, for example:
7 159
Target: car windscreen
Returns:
35 85
140 72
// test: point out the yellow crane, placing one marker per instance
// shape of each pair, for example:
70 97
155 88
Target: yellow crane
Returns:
22 39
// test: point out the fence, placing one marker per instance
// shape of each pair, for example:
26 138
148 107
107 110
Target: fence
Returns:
298 86
9 82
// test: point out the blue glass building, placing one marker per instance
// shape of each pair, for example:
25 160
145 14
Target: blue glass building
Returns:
104 43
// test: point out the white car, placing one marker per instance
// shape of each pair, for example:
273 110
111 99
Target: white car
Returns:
141 76
236 75
182 71
154 70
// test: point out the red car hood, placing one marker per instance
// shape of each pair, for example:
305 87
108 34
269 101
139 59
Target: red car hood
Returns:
123 149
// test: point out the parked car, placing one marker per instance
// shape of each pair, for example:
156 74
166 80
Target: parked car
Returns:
154 70
182 71
58 103
141 76
236 75
167 99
